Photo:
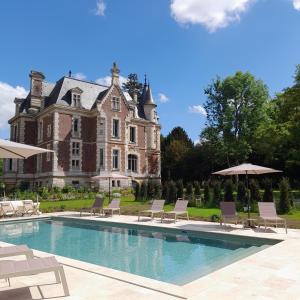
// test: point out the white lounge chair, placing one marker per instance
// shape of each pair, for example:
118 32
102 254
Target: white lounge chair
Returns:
113 206
29 208
7 210
15 251
179 210
156 208
10 269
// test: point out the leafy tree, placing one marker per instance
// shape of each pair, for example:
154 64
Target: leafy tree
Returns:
268 193
235 106
207 195
179 185
284 200
242 193
254 191
150 189
165 190
132 85
157 190
228 190
189 190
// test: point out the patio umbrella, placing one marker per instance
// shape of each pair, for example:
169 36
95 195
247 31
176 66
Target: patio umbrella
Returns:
246 169
109 177
10 149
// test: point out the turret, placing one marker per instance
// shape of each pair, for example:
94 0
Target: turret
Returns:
115 71
36 90
149 105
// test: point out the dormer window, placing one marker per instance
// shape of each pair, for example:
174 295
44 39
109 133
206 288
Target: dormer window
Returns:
115 103
76 100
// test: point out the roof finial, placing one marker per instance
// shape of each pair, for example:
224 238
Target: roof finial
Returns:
115 74
70 73
145 82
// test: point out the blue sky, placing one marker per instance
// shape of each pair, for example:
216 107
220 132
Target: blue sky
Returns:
181 45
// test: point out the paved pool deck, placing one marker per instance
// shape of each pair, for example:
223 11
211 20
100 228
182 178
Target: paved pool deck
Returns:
273 273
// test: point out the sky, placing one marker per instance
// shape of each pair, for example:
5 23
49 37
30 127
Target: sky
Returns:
182 45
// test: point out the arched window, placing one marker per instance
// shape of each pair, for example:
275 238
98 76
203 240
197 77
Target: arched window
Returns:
132 162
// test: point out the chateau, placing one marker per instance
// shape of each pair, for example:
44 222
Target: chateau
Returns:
92 129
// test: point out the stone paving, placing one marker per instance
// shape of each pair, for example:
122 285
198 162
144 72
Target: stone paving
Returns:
273 273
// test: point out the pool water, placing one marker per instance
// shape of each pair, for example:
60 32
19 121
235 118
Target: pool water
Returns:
171 256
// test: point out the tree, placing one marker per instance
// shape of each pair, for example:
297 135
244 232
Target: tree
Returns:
157 190
132 85
165 191
284 200
189 190
172 192
235 106
254 191
150 189
197 190
144 191
268 193
207 198
217 197
228 190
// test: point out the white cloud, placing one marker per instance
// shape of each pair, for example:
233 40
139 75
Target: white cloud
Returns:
107 80
213 14
197 109
80 76
100 8
296 4
7 96
163 98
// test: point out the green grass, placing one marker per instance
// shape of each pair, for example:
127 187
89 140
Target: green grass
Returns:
131 207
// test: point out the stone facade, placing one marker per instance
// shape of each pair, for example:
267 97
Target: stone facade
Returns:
92 129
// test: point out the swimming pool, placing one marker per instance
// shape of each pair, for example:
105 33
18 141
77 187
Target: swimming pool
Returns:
168 255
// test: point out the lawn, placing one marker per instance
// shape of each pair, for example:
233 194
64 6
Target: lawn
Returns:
131 207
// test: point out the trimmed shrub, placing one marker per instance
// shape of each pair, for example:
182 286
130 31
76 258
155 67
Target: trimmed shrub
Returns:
268 193
228 190
217 196
150 189
254 192
179 185
242 194
197 190
172 192
189 190
144 191
207 194
157 190
284 200
137 191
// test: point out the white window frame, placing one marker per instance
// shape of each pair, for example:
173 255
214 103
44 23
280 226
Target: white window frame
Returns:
135 134
75 149
77 156
78 132
76 100
119 128
117 167
115 103
75 168
136 163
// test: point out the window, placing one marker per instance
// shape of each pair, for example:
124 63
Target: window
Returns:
101 158
40 130
49 129
116 103
75 125
118 183
113 183
76 100
75 164
132 162
75 148
115 159
116 131
48 153
132 134
39 162
10 164
75 183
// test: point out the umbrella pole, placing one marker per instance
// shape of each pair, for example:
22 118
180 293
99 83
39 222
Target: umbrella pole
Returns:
248 198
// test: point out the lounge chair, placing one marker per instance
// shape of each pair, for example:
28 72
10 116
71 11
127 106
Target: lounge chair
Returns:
156 208
179 210
113 206
7 210
11 268
97 206
28 207
15 251
228 213
268 215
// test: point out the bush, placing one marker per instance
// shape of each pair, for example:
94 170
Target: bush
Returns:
144 191
242 194
150 189
179 185
268 193
165 191
228 190
284 200
189 190
157 190
254 192
207 195
197 190
172 192
67 189
217 196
